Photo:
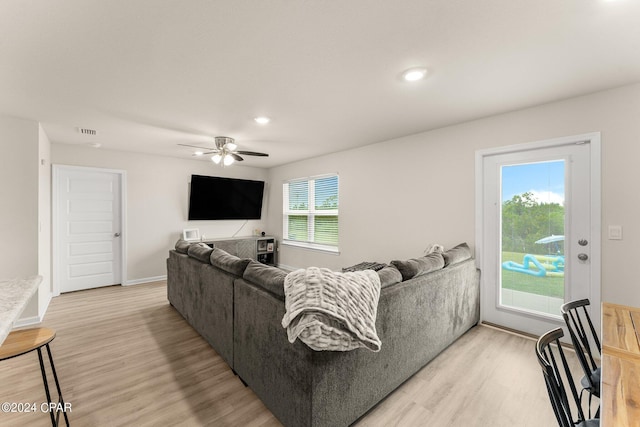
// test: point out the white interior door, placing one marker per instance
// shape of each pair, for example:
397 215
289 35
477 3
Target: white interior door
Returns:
540 225
88 228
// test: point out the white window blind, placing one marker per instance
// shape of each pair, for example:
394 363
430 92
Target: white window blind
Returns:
310 212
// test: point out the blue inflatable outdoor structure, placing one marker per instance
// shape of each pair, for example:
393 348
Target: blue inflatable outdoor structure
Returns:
539 265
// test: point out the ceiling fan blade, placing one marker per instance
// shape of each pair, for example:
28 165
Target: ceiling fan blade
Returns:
196 146
204 154
252 153
235 156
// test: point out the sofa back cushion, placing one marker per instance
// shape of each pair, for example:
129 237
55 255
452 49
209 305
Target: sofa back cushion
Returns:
389 275
266 276
227 262
418 266
457 254
182 246
200 251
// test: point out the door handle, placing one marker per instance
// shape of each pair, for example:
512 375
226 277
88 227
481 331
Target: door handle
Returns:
583 257
116 235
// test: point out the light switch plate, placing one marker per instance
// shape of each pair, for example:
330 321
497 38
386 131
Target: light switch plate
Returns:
615 232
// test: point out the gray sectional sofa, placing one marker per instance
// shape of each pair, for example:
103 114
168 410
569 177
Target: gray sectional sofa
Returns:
237 305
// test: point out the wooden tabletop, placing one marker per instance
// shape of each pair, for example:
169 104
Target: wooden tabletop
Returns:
24 341
620 392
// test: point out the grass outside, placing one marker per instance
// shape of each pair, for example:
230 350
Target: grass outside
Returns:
547 285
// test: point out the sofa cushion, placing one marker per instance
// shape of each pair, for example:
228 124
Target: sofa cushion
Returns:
182 246
418 266
389 275
457 254
227 262
266 276
200 251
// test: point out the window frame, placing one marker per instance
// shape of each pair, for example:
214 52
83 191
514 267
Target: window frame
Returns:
311 212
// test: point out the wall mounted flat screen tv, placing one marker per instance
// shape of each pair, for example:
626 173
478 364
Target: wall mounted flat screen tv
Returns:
214 197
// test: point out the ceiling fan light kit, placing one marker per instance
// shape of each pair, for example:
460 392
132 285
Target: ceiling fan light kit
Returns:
225 152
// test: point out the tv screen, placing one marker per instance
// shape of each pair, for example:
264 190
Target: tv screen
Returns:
214 197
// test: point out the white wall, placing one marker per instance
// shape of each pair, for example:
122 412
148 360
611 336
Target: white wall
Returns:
19 197
398 196
157 201
44 220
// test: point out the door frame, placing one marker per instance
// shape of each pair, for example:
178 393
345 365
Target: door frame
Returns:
595 256
56 169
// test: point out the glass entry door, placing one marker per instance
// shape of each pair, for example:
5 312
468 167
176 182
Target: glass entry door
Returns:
539 247
532 211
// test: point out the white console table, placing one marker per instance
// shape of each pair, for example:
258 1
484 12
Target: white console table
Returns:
14 297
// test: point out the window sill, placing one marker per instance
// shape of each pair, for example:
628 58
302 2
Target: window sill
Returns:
313 246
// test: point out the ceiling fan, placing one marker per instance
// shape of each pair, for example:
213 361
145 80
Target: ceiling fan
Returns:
225 152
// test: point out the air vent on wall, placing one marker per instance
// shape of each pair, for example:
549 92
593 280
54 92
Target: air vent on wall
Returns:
86 131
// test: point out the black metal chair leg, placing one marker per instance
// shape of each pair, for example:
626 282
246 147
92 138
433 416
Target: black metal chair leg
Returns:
46 387
55 377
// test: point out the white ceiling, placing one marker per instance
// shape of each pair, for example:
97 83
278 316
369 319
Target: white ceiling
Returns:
149 74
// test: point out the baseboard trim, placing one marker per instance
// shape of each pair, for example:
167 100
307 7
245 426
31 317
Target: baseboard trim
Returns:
526 335
509 330
145 280
27 321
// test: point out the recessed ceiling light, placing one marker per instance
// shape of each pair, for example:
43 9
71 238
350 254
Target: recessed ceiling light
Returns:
414 74
198 153
262 120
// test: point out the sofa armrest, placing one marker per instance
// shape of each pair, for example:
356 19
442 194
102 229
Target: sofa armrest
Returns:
276 370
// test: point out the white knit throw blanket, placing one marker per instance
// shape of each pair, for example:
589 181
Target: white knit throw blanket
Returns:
332 311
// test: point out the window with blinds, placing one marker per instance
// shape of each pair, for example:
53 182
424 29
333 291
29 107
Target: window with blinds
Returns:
310 212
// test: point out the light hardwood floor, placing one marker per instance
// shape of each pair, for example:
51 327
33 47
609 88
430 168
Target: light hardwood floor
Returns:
125 357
